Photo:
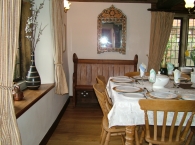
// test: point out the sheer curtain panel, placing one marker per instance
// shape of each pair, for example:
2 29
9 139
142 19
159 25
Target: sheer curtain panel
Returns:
161 24
58 19
9 37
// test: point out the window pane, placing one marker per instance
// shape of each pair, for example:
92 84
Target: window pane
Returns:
23 60
17 73
191 40
172 49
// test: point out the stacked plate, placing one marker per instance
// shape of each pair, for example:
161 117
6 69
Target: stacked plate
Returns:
140 78
127 89
188 96
121 80
161 95
134 95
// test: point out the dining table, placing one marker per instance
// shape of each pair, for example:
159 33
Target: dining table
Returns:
125 93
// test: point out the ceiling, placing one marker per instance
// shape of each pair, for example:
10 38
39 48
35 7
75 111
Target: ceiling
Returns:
177 6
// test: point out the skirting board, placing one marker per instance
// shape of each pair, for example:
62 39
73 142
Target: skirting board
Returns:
54 125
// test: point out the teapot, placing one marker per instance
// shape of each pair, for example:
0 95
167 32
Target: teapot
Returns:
161 81
177 75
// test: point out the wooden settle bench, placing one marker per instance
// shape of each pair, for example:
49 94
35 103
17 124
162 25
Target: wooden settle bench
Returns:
86 70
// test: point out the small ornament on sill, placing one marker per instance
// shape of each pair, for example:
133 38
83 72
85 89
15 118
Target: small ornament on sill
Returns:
17 93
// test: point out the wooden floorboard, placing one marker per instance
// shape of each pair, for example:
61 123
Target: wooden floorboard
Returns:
81 125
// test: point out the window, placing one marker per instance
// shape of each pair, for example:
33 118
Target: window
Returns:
173 46
23 61
191 40
182 37
17 72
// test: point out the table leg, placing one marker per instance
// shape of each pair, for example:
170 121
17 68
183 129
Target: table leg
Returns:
130 135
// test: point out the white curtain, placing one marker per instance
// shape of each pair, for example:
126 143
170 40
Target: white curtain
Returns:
58 17
9 35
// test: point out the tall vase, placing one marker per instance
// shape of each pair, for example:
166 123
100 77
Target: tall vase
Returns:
33 80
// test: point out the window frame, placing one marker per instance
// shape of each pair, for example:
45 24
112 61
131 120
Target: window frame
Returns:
183 37
24 53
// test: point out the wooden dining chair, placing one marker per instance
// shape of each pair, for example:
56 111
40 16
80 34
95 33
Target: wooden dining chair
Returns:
106 131
190 136
164 134
101 79
131 74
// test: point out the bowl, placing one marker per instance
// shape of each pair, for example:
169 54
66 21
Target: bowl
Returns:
186 70
161 81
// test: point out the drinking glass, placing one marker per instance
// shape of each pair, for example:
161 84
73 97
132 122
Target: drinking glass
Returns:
152 81
142 77
177 82
171 80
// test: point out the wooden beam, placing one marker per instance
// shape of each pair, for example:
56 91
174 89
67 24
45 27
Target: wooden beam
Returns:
168 4
117 1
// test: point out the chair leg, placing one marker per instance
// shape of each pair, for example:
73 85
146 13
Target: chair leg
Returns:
123 139
103 137
142 135
107 138
136 135
189 138
139 135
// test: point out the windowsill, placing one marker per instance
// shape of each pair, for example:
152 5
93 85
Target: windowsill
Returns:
30 98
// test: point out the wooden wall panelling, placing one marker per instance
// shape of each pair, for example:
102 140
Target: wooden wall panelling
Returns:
89 74
105 72
86 70
94 73
111 71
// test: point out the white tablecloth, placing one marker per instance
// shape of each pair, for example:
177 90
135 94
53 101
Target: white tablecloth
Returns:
126 111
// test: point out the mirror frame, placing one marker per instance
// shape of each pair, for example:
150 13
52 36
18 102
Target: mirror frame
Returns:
110 15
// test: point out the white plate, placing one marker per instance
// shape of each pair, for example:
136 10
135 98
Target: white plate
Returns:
121 80
125 84
121 77
163 95
134 95
127 89
139 77
188 96
181 78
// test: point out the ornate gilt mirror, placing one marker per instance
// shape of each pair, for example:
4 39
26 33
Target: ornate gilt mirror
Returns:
111 31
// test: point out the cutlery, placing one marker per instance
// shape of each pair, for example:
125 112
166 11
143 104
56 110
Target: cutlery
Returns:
136 81
147 92
146 89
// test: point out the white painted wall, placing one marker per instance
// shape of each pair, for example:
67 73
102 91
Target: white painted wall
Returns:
37 120
35 123
82 32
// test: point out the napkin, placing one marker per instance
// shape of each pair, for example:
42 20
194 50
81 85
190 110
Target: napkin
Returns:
177 75
170 68
152 77
142 68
